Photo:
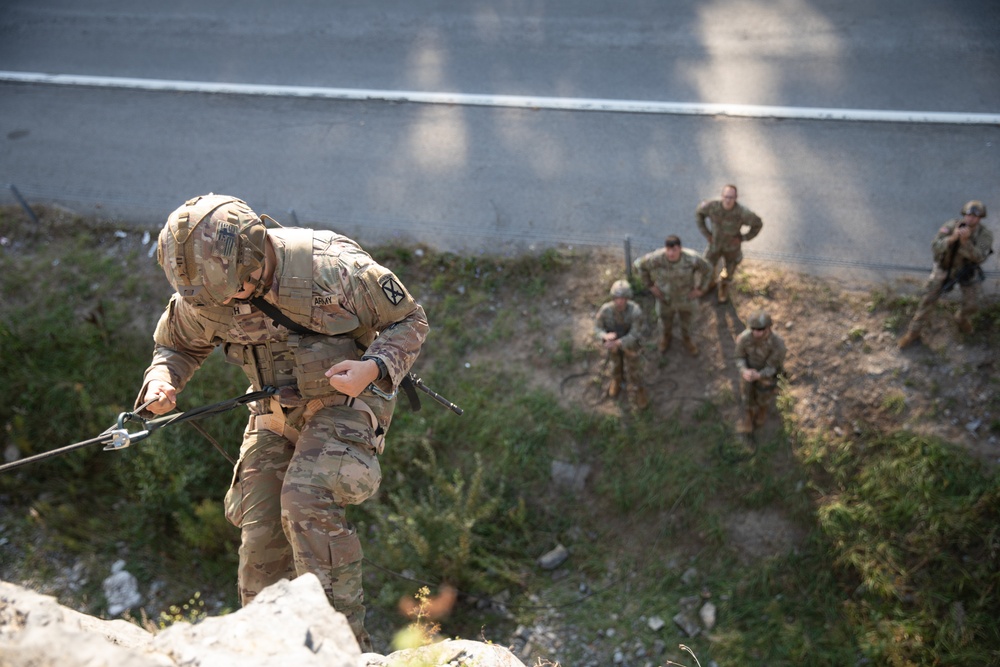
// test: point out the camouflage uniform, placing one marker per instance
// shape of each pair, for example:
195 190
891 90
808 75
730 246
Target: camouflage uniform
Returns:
626 362
974 252
726 234
310 451
675 280
766 356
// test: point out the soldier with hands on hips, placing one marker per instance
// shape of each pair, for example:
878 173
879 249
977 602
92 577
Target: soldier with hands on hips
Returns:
618 327
677 277
339 335
725 236
960 248
760 357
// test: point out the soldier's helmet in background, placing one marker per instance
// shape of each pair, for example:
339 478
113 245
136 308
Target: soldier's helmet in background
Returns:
975 207
759 320
621 288
210 246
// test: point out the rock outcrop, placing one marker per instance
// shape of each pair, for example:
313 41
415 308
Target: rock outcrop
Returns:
290 623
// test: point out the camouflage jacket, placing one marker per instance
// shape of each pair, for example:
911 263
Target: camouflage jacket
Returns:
766 356
675 279
727 226
354 305
628 323
974 251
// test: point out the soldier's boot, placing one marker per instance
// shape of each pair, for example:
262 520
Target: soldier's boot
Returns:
664 344
909 338
615 388
760 415
641 398
724 291
690 346
963 322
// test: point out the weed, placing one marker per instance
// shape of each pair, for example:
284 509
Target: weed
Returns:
191 611
894 403
565 354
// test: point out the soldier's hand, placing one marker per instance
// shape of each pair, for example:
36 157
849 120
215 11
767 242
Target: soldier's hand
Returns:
696 293
656 292
351 377
166 396
962 232
609 336
750 375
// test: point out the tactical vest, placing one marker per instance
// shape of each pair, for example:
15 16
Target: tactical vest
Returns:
272 356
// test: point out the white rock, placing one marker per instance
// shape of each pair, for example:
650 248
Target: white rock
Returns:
707 614
554 558
121 589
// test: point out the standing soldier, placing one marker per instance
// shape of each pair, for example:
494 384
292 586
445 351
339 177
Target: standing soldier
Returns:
760 356
961 245
619 327
672 275
726 236
312 314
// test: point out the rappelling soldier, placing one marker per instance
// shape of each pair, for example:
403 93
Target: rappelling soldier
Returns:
312 314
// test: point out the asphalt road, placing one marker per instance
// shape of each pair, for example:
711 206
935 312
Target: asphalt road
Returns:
852 196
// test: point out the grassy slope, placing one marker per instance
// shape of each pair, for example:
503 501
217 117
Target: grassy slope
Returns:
888 549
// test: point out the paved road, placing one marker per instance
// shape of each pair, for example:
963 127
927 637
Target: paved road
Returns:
460 177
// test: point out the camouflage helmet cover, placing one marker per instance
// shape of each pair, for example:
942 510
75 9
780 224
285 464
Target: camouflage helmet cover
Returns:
621 288
759 320
974 207
210 246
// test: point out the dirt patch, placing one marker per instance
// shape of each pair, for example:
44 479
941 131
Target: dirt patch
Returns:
846 375
762 533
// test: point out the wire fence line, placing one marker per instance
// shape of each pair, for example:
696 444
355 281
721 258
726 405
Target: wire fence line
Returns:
126 209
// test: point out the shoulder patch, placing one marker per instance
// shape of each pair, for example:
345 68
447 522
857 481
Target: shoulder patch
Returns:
944 230
392 290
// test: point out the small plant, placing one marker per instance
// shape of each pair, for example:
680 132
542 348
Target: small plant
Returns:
894 403
423 611
565 353
193 611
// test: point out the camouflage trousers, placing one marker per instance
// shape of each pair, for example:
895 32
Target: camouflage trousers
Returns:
626 365
289 501
758 394
682 308
731 260
932 293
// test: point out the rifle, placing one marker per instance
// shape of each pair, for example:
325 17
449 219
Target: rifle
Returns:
409 383
964 276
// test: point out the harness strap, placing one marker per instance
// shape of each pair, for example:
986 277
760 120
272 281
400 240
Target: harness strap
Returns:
279 422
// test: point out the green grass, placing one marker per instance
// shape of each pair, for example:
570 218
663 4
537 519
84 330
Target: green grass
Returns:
894 559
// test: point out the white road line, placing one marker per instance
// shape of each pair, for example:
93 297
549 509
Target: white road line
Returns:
513 101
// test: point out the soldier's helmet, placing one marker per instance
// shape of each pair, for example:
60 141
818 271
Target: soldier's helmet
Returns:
210 246
759 320
975 207
621 288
